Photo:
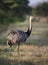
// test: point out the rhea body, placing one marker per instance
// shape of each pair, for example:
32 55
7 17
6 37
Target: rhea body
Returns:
19 36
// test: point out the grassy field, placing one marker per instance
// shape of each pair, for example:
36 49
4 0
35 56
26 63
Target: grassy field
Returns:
29 55
33 52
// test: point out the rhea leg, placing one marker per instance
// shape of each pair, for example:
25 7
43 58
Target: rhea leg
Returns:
7 48
19 54
18 49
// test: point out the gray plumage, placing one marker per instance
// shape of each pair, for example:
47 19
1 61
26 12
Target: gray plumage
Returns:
19 36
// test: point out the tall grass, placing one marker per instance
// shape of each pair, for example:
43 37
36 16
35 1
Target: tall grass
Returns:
29 55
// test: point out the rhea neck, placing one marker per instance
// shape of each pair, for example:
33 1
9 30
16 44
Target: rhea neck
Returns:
30 27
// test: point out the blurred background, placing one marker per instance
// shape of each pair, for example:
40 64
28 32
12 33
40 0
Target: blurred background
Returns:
14 14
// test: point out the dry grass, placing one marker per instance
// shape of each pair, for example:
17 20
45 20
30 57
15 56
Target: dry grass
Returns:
29 55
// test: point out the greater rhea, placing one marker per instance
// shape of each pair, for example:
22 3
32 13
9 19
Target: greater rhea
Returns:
19 36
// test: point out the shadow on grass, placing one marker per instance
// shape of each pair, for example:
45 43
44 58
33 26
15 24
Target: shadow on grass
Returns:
5 61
